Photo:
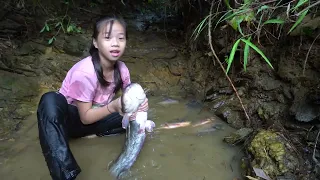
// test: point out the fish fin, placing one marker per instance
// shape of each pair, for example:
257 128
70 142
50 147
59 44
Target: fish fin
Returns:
125 121
150 125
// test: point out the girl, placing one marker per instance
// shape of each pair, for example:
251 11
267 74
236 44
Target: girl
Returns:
93 81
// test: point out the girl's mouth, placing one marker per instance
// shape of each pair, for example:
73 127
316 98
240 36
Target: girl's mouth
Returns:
115 53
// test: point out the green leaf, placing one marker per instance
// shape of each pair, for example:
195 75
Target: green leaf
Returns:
231 57
200 27
300 3
258 50
298 21
274 21
69 29
44 27
51 40
246 55
47 27
233 23
239 21
227 3
262 8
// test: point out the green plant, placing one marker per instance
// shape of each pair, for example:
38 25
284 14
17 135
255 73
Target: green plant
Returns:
255 15
60 23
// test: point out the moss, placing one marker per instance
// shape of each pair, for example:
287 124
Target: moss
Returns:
271 154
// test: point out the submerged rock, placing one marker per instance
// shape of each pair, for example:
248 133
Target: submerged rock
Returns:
238 136
271 154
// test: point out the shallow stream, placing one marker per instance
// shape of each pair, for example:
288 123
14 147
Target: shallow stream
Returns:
181 153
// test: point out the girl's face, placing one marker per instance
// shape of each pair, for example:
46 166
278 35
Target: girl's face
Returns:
111 42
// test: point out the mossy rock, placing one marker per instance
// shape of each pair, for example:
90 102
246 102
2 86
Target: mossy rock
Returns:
271 154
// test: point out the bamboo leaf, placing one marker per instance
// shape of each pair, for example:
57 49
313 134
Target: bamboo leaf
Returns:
231 57
274 21
227 3
239 21
298 21
258 51
300 3
200 27
246 55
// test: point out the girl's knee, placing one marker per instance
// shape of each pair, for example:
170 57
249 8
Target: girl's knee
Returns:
52 105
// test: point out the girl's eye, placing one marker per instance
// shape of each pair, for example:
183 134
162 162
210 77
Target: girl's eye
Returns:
107 37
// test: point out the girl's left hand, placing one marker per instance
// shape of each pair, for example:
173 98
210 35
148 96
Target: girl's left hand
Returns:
144 107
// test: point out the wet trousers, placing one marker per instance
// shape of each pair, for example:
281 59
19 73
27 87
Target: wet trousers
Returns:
59 121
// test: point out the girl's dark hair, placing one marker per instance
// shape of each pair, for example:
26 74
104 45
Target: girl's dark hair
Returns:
95 53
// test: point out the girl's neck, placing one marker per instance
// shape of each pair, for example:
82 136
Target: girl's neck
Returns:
106 64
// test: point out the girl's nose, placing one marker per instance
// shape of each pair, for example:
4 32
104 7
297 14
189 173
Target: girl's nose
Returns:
114 42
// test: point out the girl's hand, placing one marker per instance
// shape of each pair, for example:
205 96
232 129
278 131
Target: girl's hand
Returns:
144 107
115 106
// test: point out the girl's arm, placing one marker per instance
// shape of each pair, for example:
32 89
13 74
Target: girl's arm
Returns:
89 115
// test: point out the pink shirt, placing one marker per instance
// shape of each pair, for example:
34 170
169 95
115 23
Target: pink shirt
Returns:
81 83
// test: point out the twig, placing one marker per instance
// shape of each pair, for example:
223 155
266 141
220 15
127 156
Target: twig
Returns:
80 8
217 59
305 61
314 151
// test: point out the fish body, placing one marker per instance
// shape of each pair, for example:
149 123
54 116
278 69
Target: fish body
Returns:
133 145
131 99
175 125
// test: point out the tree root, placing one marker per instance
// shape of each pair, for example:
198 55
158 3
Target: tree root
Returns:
305 61
215 55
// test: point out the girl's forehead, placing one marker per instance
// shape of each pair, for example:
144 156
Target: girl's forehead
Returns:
112 28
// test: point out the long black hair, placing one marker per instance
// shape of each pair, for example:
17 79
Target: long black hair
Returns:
94 52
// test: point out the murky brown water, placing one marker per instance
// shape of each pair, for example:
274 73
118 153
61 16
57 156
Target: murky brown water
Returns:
180 153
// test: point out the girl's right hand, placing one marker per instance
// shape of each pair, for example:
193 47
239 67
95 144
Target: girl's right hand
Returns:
115 106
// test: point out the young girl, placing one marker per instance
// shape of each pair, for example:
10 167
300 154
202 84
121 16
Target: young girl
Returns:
93 81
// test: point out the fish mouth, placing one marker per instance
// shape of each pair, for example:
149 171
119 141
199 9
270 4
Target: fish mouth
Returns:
115 53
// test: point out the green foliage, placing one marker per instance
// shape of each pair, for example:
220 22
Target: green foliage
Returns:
253 16
60 23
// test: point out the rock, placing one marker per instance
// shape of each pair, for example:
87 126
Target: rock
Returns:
30 48
238 136
272 155
75 45
231 117
280 98
269 110
267 83
305 107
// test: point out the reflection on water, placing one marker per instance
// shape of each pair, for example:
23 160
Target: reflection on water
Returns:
181 153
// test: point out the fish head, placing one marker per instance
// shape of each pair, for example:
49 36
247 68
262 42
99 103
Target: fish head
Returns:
132 97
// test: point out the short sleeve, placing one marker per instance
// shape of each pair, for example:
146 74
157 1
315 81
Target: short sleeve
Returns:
125 75
81 86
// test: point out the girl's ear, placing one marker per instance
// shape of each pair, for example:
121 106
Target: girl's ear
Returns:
94 43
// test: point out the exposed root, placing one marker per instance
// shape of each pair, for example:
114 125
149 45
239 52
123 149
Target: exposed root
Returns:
314 151
305 61
217 59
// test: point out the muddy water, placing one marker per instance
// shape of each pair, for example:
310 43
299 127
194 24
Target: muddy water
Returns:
181 153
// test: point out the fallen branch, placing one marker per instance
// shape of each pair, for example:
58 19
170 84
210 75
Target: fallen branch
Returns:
305 61
215 55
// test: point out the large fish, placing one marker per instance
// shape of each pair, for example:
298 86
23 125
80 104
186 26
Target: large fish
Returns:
133 96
